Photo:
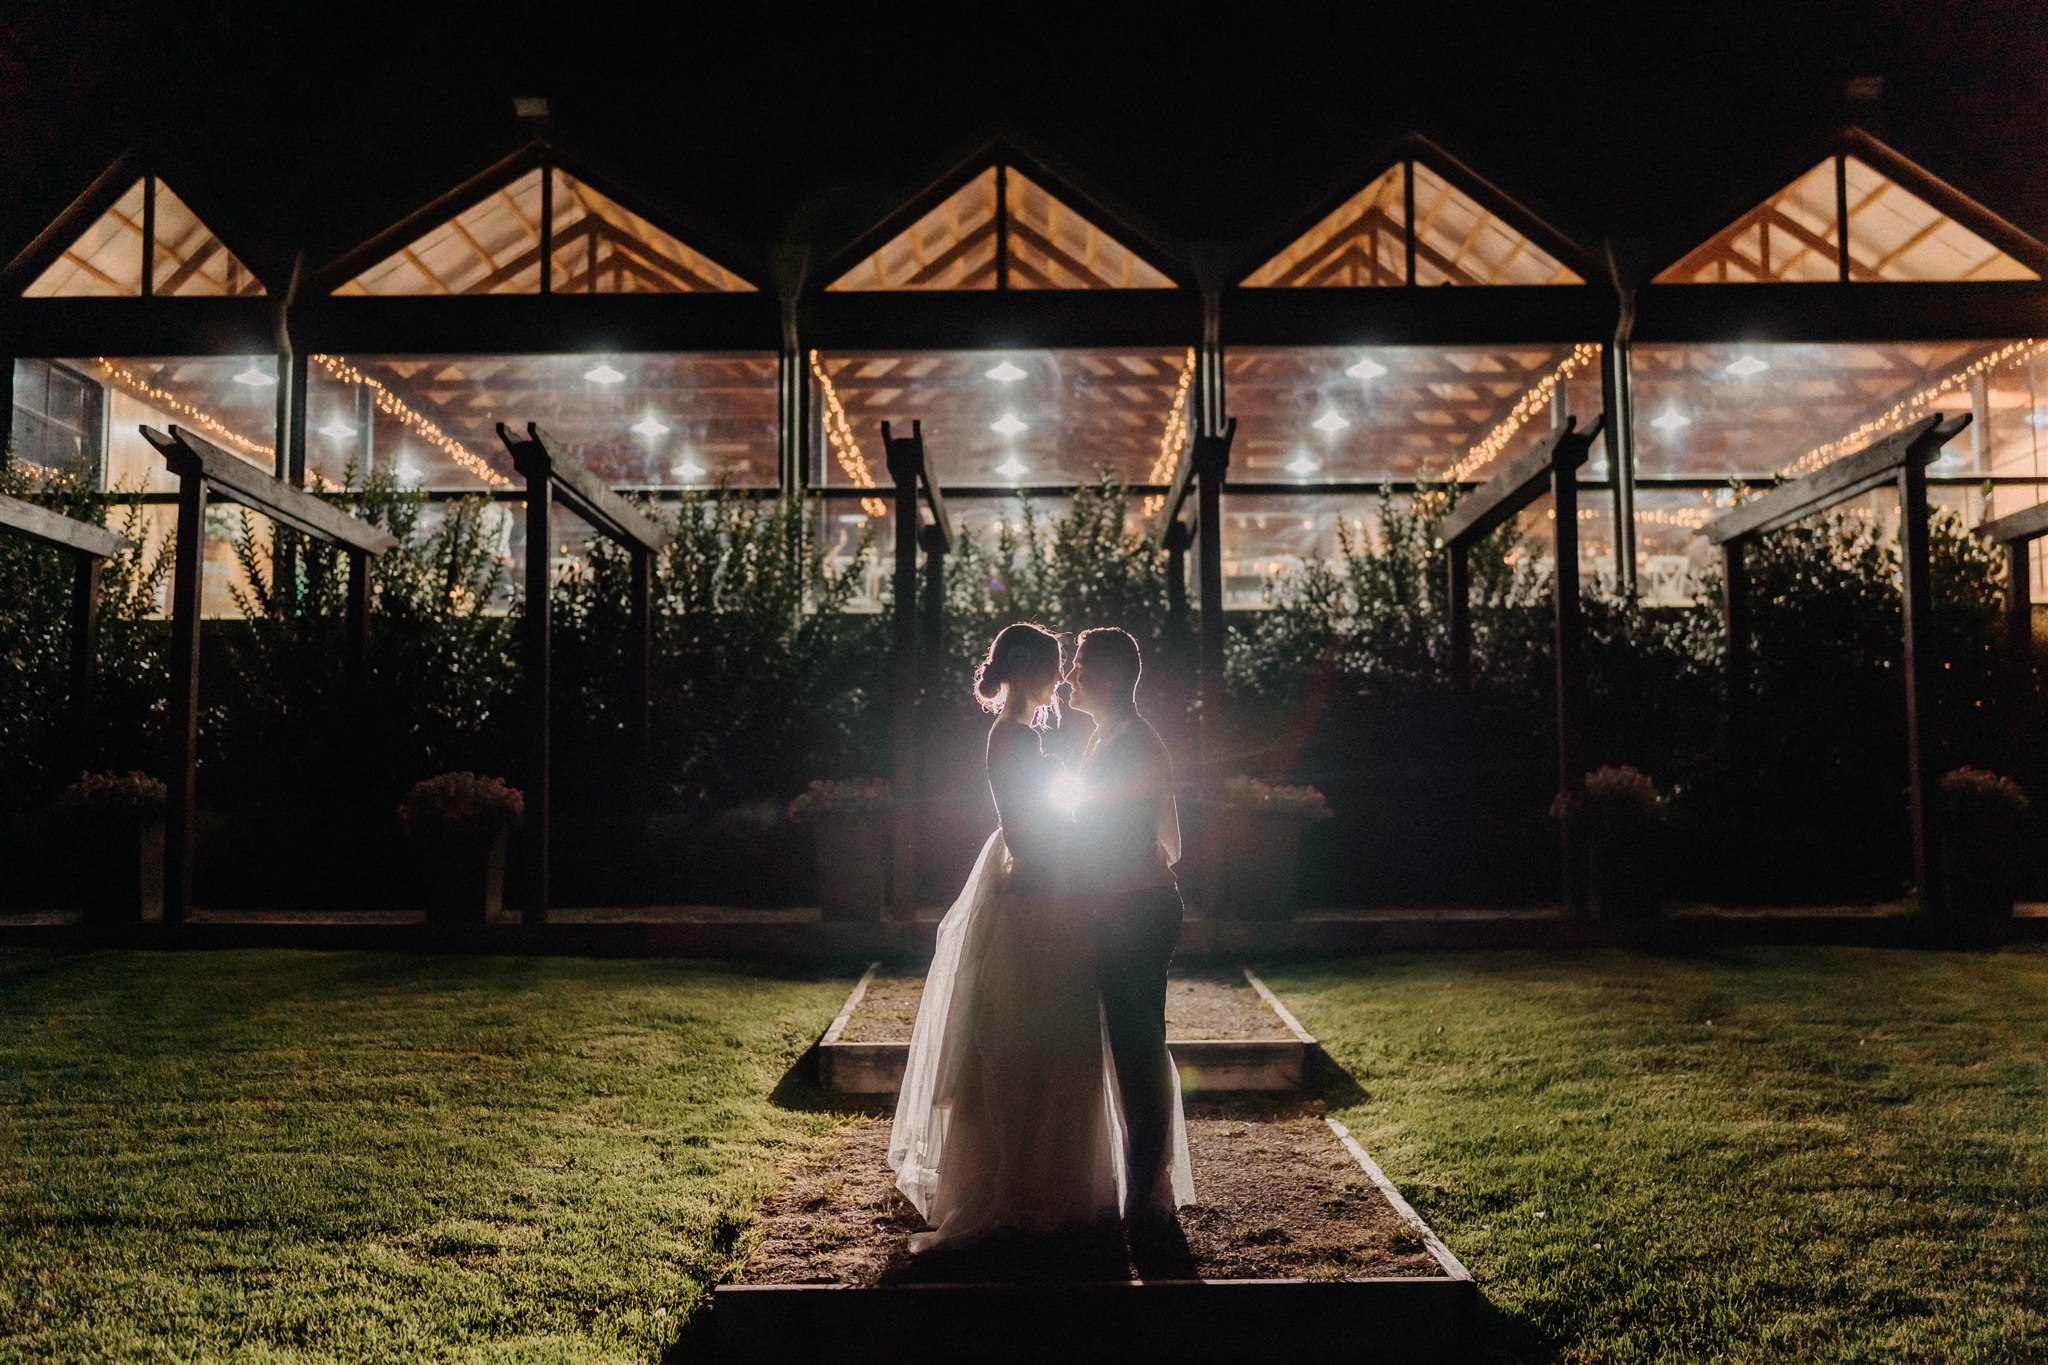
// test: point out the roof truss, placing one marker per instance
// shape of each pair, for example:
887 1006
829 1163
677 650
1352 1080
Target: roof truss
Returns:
144 242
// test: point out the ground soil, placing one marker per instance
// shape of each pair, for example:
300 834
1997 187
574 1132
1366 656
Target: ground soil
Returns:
1199 1005
1278 1198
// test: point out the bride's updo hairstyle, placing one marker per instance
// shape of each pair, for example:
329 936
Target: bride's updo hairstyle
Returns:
1022 658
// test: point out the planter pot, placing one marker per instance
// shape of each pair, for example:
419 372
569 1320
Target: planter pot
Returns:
122 875
853 862
1256 873
1624 875
1980 882
464 878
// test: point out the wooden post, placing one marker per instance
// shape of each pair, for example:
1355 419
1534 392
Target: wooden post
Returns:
181 721
1458 563
2019 601
640 674
539 664
358 621
932 617
1735 608
906 465
85 603
1564 490
1919 612
1211 463
1178 538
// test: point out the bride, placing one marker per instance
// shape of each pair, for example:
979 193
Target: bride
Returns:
1008 1119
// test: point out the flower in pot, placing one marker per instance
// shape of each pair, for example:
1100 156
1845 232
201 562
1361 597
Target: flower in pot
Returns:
849 822
1622 815
459 823
120 822
1258 846
1982 817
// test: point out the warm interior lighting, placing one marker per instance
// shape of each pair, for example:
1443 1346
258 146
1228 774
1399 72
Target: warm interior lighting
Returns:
649 426
1007 425
1367 368
1330 423
687 468
408 472
338 429
1671 419
1012 468
1749 365
604 374
1302 465
1006 373
255 378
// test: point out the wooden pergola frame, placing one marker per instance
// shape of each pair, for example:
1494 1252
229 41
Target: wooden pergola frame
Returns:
206 471
1202 472
552 474
1550 465
2016 535
1901 460
910 658
91 546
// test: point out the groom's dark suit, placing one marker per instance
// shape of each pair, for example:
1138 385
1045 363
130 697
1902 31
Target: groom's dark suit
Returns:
1123 876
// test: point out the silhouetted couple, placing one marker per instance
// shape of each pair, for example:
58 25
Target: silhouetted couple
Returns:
1039 1097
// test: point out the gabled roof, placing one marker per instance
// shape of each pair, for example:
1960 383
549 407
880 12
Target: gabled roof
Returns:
1422 217
535 222
1001 218
1903 224
129 235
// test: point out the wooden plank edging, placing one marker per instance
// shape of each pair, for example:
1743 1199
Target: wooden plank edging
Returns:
1452 1266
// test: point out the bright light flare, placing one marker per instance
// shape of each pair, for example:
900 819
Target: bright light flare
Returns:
256 379
1330 423
1671 419
1367 368
1007 425
604 374
1748 365
1006 373
1067 792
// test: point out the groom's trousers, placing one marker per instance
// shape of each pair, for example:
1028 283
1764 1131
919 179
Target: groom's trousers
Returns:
1135 936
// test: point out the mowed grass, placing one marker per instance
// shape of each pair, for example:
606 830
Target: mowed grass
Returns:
1768 1155
277 1156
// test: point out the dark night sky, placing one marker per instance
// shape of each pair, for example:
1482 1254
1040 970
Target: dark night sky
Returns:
1653 123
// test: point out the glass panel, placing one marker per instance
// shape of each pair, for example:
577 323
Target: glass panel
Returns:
491 247
1267 538
1053 247
952 247
993 418
60 418
229 400
1670 556
105 261
1896 235
602 247
1459 242
657 421
1362 243
1790 238
190 260
1367 414
1720 410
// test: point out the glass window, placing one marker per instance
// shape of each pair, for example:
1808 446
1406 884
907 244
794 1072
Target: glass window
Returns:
637 421
60 417
106 260
996 418
91 409
1368 414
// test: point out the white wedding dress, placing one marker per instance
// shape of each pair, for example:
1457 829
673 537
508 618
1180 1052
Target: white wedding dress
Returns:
1008 1117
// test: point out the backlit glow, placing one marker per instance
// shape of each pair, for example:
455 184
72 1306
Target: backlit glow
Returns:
1007 425
1006 373
604 374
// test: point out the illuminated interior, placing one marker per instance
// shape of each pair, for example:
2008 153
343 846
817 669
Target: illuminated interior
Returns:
107 258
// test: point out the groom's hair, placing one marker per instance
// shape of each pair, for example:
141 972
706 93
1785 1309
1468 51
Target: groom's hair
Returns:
1113 652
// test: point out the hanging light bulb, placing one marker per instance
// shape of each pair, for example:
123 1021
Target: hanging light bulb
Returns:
1748 365
1007 425
1671 419
649 426
1367 368
1012 468
338 429
602 373
1330 423
255 378
1301 466
1006 373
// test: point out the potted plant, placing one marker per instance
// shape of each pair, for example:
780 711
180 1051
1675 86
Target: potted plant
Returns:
1622 815
458 824
1258 847
1982 815
849 823
120 821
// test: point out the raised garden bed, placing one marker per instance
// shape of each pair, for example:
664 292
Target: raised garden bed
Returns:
1298 1243
1226 1030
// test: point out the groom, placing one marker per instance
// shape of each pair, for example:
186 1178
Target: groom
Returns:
1129 838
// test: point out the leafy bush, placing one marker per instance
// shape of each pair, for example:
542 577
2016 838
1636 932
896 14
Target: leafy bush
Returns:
460 805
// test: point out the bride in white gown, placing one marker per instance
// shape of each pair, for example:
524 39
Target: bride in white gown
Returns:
1008 1118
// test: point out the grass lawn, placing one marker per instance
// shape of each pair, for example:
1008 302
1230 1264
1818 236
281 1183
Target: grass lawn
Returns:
276 1156
1824 1154
1784 1154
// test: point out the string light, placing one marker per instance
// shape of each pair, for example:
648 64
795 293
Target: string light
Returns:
1174 438
1526 407
391 405
170 402
839 434
1907 408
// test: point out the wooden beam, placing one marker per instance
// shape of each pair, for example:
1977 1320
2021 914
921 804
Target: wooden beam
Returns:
56 529
238 481
906 462
2028 524
1525 479
181 719
1918 600
1871 467
539 456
